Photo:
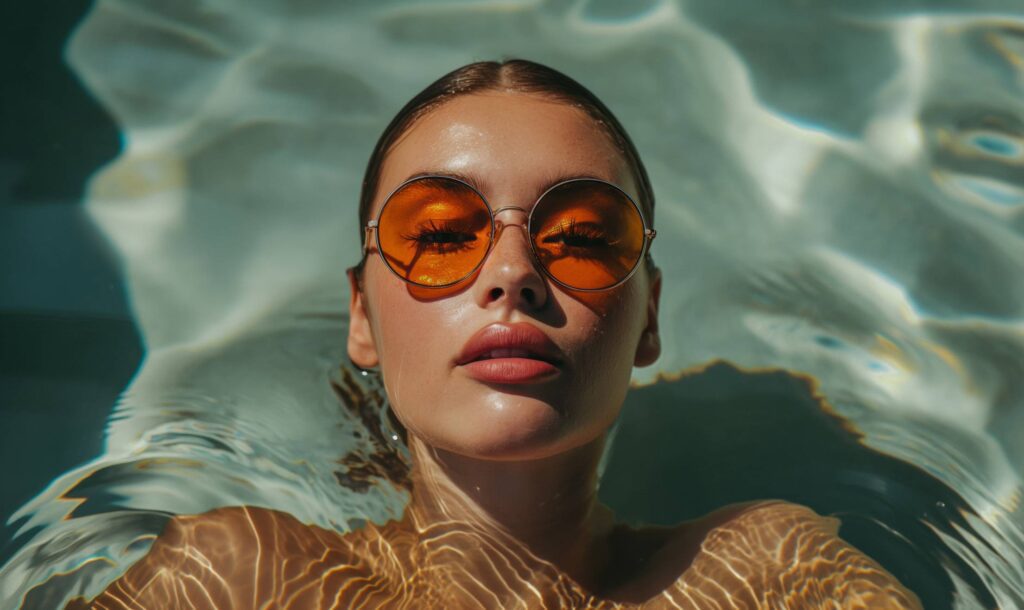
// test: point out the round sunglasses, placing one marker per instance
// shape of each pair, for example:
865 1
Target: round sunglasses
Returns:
436 231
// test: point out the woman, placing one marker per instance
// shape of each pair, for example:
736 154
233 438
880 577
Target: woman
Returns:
505 293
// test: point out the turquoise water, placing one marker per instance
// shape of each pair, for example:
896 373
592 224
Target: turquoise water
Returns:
840 196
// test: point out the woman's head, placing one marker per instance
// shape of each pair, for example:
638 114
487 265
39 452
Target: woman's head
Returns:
505 364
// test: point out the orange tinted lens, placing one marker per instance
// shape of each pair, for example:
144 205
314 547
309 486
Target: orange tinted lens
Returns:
587 234
434 231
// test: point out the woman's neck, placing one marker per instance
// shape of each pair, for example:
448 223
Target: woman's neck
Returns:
549 505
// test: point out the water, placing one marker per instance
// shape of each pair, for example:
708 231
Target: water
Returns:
840 196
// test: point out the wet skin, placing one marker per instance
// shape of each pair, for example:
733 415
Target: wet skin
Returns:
504 511
766 555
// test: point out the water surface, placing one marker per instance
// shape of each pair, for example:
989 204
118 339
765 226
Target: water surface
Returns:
840 216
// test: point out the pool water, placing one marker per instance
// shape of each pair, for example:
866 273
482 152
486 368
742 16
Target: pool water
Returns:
840 223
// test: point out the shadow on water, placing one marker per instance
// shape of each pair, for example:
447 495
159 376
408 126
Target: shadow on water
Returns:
59 374
687 447
68 345
55 135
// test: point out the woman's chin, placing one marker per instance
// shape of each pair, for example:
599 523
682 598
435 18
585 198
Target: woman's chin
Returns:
510 449
510 432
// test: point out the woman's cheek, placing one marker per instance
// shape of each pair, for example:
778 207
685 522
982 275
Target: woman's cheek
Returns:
615 319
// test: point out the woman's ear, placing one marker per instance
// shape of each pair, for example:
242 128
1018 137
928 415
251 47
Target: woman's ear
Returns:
361 348
649 348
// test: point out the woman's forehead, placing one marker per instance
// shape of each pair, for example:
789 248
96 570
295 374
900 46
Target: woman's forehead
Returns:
508 145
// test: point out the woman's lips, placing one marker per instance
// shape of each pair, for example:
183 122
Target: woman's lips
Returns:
510 353
510 370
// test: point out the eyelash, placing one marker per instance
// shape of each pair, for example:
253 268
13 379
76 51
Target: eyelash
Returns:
426 236
570 231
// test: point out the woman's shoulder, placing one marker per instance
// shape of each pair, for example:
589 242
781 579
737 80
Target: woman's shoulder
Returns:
238 553
239 527
762 527
652 558
231 536
777 554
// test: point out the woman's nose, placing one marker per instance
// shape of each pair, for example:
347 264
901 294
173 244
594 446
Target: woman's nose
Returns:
510 275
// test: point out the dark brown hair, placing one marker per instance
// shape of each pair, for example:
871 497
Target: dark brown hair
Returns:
513 75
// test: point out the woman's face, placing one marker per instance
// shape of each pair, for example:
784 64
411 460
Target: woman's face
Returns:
565 368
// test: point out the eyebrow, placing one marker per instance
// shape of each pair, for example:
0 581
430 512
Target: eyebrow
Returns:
471 180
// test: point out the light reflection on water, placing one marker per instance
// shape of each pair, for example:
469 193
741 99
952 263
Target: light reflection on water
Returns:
840 194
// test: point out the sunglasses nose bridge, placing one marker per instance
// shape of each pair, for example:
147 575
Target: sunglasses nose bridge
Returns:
510 208
499 225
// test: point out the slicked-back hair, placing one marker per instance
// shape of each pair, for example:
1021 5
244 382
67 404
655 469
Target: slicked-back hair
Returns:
515 76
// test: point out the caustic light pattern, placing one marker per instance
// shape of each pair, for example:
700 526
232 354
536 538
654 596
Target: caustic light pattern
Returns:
774 555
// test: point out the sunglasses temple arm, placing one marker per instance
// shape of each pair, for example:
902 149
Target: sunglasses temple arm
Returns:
650 234
366 242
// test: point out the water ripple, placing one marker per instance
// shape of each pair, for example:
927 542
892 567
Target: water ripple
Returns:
840 190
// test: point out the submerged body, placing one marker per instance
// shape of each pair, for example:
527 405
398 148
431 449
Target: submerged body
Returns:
761 555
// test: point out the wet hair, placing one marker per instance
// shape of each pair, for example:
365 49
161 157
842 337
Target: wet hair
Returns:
516 76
